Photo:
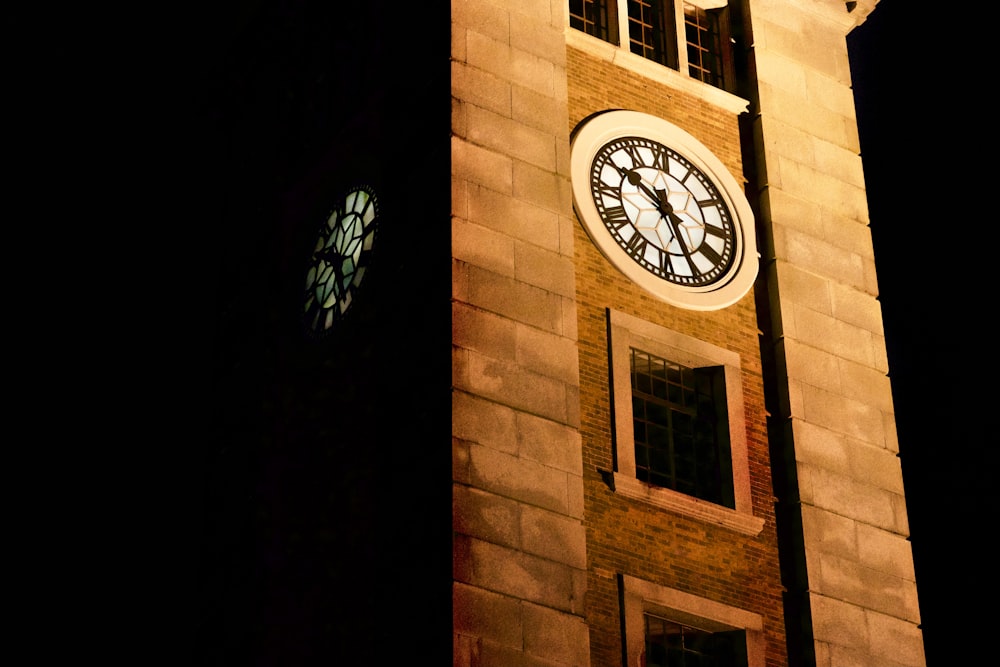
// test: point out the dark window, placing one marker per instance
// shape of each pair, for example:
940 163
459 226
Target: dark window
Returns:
670 644
651 31
681 426
595 17
707 45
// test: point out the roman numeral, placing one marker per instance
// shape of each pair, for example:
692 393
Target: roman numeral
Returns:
616 215
717 232
710 254
661 161
633 154
666 265
637 245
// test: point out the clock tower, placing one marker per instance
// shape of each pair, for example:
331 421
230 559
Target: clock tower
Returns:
584 369
673 430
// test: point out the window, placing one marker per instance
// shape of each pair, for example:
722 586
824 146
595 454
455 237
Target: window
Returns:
679 428
665 627
653 29
670 644
651 32
595 17
707 50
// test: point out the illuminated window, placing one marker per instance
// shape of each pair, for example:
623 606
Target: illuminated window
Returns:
655 28
680 440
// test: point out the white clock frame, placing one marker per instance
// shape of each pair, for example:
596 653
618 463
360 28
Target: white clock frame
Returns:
595 132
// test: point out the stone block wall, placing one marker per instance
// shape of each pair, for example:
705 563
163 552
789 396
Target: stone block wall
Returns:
834 403
519 542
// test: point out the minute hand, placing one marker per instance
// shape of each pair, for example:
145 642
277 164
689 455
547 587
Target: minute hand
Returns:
659 199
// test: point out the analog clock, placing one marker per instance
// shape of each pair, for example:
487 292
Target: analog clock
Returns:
663 209
340 258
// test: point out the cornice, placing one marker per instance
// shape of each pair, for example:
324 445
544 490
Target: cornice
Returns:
848 14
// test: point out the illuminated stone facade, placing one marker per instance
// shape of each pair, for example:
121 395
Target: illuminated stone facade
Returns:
549 558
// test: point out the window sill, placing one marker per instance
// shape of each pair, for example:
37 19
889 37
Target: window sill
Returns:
668 499
610 53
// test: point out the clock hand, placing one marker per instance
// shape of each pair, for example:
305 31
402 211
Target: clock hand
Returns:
635 178
675 222
659 200
327 254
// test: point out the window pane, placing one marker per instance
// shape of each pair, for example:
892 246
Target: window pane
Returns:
681 437
657 413
670 644
651 30
705 44
594 17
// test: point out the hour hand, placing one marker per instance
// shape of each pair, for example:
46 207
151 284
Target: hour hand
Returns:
631 175
665 208
328 254
635 178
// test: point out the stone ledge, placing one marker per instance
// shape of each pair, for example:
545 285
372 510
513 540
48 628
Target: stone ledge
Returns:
668 499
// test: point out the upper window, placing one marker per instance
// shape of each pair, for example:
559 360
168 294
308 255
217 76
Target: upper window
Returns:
655 28
595 17
679 426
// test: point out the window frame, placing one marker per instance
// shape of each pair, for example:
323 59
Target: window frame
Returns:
683 407
613 54
640 596
619 35
626 332
719 16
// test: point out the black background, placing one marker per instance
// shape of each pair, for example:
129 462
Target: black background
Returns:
324 528
927 133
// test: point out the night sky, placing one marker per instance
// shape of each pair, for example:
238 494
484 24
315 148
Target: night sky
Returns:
923 125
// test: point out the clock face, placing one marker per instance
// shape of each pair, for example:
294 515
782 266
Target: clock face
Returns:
340 258
663 209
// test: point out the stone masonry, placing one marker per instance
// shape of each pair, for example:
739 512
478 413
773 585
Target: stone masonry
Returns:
835 407
520 555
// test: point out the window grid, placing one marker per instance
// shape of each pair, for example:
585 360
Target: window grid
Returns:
671 644
651 31
675 431
704 45
593 18
654 33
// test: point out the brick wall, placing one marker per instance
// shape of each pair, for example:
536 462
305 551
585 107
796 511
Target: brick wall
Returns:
625 536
